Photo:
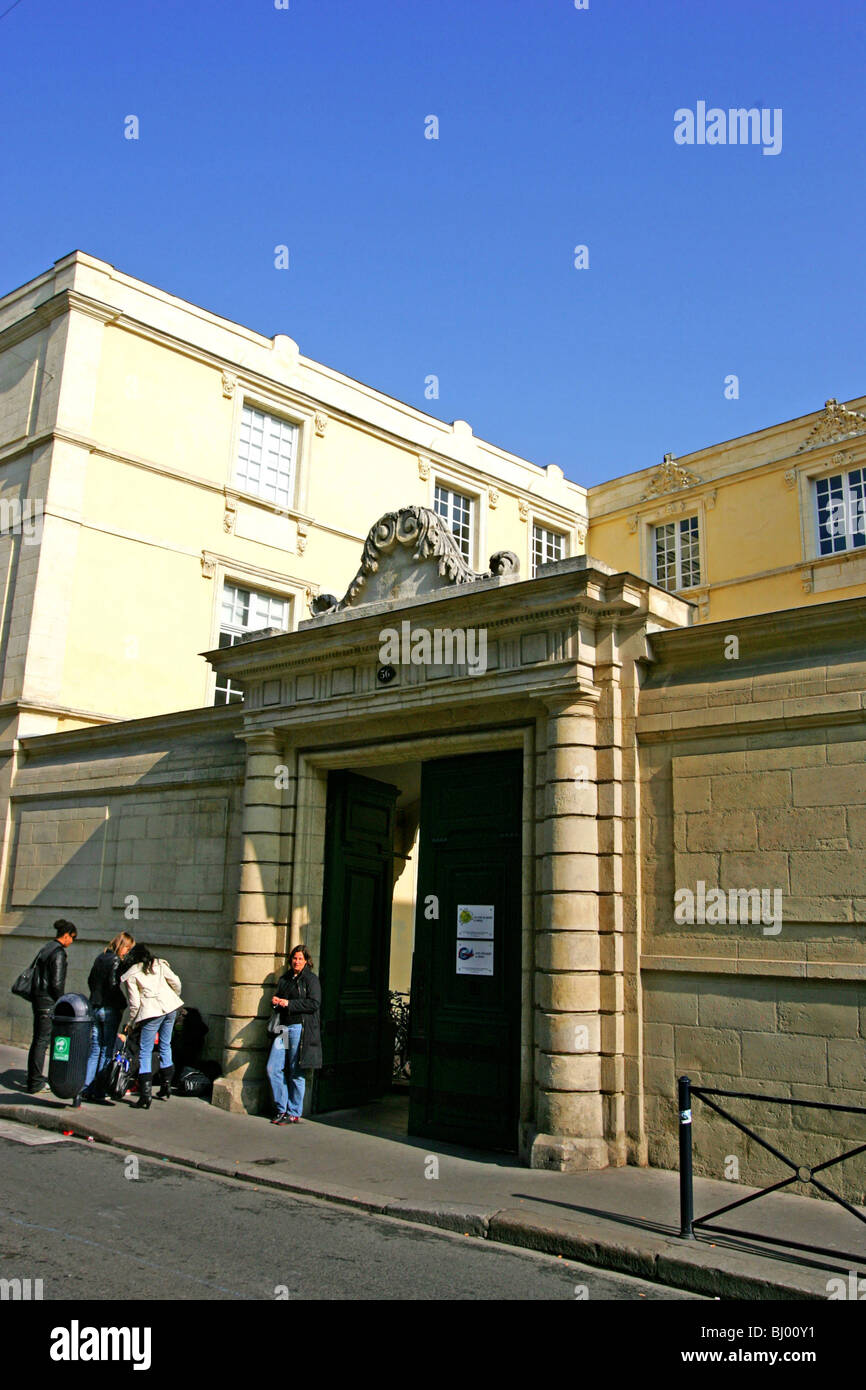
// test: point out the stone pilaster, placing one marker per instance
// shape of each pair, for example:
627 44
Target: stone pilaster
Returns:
259 938
569 983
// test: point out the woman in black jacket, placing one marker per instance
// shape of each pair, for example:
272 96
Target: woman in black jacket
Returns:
298 1044
107 1003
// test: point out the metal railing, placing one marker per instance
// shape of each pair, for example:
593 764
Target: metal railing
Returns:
689 1223
399 1008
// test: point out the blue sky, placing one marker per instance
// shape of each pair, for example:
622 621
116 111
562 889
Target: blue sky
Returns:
412 257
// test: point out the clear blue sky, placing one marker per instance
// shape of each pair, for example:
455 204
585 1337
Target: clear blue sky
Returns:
454 257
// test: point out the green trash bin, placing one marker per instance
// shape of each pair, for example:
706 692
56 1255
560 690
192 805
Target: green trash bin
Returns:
69 1048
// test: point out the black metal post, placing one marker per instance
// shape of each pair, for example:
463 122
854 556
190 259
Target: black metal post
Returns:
687 1204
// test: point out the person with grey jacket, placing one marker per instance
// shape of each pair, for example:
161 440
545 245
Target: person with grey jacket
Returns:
153 991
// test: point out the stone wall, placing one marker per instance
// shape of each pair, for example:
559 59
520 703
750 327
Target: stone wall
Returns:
127 827
753 775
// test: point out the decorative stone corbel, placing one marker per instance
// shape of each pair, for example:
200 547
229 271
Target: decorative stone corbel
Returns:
806 578
791 478
710 500
523 508
493 498
581 535
633 523
230 516
423 468
208 565
321 423
303 537
229 384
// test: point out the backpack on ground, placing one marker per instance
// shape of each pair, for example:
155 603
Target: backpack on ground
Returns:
192 1082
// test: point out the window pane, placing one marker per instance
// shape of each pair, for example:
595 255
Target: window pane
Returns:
690 564
666 556
456 511
266 455
547 546
830 495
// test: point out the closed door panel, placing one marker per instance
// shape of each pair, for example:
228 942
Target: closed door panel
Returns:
465 1045
356 940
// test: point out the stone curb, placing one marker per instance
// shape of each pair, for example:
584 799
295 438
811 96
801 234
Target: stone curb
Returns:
680 1265
724 1273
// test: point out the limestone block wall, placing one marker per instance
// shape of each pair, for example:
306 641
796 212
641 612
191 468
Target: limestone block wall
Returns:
132 827
753 779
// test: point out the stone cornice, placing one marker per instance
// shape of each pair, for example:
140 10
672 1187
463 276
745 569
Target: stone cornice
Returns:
839 624
200 722
576 592
26 706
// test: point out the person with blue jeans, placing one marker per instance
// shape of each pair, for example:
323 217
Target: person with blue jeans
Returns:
107 1002
287 1081
297 1044
153 992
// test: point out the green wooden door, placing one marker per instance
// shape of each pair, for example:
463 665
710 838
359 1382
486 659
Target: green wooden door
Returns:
357 1036
465 1044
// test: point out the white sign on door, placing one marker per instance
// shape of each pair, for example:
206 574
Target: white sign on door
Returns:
475 921
475 957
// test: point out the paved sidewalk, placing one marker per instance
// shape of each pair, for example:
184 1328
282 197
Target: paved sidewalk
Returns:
622 1219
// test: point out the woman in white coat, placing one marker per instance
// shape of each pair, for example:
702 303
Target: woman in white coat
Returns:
153 991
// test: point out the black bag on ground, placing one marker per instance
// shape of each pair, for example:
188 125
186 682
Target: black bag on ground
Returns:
193 1082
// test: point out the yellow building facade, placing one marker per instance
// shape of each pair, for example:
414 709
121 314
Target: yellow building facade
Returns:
172 484
191 480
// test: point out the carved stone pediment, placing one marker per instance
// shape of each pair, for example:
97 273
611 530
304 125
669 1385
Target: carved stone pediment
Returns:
407 553
835 422
669 478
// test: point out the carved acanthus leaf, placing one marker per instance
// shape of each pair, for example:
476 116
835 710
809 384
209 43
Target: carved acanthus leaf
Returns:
422 531
835 422
669 478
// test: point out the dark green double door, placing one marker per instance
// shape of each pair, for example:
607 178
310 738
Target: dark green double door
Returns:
465 998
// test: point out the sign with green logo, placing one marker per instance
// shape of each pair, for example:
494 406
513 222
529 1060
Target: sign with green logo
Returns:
61 1049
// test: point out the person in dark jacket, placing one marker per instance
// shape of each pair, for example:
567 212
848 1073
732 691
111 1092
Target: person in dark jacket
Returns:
107 1003
297 1047
49 982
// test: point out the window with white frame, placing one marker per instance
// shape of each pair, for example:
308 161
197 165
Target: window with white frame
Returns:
841 511
677 557
267 448
547 546
456 511
243 611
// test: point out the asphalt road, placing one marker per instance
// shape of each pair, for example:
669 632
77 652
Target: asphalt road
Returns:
73 1218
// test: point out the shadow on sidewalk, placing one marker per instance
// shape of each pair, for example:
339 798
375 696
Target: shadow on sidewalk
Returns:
388 1118
723 1240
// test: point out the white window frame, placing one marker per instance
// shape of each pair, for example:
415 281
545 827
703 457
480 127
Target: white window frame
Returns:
241 630
459 485
295 414
541 524
853 507
681 586
220 570
277 431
